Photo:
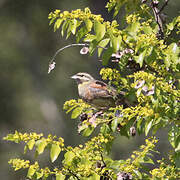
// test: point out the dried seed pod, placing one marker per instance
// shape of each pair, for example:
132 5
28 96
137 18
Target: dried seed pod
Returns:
119 127
132 131
124 176
83 117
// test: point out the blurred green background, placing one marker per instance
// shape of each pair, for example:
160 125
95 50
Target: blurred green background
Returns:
31 99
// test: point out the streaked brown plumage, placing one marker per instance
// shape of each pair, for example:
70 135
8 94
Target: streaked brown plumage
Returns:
94 92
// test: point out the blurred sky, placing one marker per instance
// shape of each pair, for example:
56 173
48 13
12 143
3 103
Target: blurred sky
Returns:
31 99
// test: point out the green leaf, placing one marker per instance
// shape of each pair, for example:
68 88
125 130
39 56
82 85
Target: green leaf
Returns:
76 112
88 131
139 59
60 177
25 149
41 144
89 24
81 33
139 125
31 172
103 44
64 27
100 30
39 175
89 38
92 46
92 177
151 56
68 157
31 144
147 29
116 42
148 126
54 152
114 124
148 160
174 48
57 24
73 26
133 29
105 129
106 56
137 173
174 137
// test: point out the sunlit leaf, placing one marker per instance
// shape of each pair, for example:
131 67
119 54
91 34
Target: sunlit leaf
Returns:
31 171
40 146
89 24
68 157
116 42
114 124
103 44
148 126
54 152
99 29
73 26
64 27
92 46
39 175
88 131
31 144
57 24
76 112
60 177
105 129
139 59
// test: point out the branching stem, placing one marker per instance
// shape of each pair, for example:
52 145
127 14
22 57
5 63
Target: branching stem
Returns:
61 49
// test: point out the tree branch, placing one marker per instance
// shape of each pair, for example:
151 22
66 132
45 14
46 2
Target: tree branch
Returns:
163 6
70 45
156 11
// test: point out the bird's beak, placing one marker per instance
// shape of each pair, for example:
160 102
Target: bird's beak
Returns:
74 76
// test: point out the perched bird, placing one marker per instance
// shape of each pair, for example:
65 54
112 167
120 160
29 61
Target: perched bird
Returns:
94 92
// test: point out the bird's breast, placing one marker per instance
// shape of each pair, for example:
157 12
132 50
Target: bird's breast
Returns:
84 92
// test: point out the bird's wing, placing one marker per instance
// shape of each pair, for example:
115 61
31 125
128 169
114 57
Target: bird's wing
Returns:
101 89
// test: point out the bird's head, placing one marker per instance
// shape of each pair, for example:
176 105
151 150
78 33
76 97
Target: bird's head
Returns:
82 77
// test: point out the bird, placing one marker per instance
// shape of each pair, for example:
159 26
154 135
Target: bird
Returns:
95 92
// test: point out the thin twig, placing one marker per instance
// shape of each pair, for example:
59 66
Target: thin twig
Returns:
73 174
70 45
103 160
163 6
158 19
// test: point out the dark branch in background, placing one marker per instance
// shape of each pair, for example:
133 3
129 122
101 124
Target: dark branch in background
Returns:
164 5
154 5
158 16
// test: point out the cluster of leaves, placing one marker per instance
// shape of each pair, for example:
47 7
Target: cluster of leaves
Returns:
86 161
147 72
139 36
166 170
155 106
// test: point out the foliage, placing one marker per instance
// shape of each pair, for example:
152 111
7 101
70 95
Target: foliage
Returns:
86 161
147 62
